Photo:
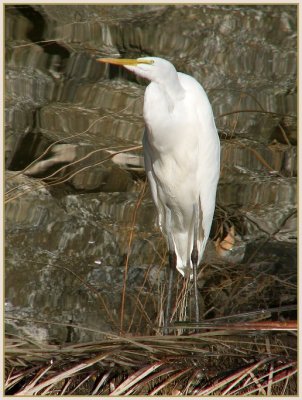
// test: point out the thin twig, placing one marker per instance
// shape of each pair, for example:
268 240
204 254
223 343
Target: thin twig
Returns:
139 200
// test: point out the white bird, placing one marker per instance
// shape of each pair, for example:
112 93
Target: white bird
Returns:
182 161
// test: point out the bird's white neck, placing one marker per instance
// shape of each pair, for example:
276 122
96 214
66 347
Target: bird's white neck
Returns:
173 90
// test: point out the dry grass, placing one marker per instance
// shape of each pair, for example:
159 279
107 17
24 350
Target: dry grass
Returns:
218 361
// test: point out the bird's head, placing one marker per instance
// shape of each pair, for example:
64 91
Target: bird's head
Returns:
151 68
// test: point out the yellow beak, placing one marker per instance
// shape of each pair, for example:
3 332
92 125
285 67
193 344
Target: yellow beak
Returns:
124 61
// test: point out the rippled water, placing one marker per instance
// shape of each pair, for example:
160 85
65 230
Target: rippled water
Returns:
67 243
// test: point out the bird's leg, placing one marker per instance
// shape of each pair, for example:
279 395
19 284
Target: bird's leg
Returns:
172 266
194 258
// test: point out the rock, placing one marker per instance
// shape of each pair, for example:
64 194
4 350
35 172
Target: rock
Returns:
76 214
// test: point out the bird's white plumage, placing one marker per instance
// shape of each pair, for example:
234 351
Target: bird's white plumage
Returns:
182 154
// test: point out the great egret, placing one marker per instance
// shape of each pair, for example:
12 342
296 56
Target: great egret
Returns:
182 161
